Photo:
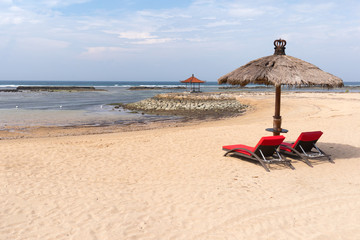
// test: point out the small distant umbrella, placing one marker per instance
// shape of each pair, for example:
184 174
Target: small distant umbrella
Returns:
280 69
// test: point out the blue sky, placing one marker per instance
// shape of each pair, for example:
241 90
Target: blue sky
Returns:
167 40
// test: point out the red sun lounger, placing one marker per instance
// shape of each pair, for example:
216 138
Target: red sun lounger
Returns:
305 147
266 151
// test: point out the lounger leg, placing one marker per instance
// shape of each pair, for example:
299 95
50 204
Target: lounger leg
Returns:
284 160
287 162
305 159
230 151
252 154
326 155
290 165
264 165
307 162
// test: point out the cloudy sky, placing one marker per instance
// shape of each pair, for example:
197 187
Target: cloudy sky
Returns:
134 40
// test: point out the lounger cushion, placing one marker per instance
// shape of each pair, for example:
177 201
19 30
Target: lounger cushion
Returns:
264 141
286 144
270 141
230 147
309 136
304 137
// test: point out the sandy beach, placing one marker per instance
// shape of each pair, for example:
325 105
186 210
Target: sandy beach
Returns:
174 182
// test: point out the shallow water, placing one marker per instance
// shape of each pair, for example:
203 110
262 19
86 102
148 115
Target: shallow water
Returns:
71 108
86 108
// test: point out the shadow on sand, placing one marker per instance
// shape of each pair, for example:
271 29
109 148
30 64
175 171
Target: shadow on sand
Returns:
336 150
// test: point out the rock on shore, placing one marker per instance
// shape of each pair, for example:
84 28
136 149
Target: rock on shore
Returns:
194 105
56 88
154 88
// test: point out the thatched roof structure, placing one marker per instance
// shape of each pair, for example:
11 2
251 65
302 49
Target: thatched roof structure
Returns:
192 79
280 70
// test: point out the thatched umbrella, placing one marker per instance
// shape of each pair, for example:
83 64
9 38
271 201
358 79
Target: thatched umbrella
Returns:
280 69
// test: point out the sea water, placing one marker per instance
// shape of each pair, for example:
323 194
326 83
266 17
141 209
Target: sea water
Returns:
65 108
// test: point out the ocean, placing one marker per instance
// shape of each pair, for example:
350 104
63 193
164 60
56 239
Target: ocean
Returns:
92 108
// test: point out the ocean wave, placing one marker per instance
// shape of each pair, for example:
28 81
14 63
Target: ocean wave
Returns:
9 86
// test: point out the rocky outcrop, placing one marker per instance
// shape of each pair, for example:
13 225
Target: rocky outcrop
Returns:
194 105
55 88
154 88
8 90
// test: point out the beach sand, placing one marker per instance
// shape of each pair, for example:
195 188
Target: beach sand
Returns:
174 183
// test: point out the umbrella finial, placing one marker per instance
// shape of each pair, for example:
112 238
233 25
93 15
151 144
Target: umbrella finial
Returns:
279 47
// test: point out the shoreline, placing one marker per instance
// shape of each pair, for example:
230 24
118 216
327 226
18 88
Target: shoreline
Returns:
251 99
26 132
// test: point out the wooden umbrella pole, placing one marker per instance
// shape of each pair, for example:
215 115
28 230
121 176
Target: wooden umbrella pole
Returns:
277 117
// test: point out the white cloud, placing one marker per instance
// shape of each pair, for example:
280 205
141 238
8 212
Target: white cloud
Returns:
98 50
155 41
8 2
163 14
314 8
15 15
208 18
102 53
58 3
222 23
8 19
145 38
203 2
180 30
197 39
42 44
243 12
135 35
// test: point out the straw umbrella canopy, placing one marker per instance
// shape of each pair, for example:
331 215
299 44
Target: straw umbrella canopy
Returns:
280 69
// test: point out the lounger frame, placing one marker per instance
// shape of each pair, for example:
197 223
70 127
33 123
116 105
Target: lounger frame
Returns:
305 149
263 154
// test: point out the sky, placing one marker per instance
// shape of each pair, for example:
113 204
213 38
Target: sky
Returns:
168 40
